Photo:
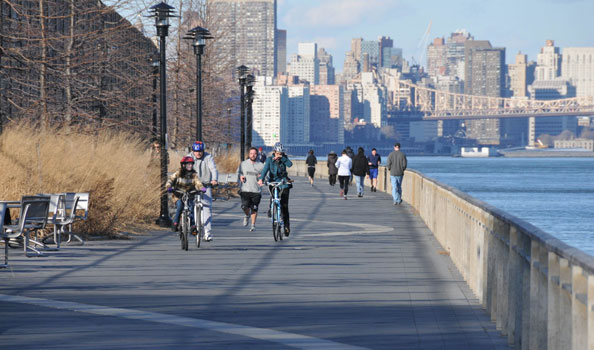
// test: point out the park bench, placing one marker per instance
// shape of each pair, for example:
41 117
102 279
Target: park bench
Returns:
33 216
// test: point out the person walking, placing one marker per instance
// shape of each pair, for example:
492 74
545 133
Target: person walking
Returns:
332 169
311 162
261 155
396 165
344 165
360 170
374 160
248 173
351 155
206 168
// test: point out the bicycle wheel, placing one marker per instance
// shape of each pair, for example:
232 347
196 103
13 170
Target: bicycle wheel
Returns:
199 226
185 223
275 223
279 227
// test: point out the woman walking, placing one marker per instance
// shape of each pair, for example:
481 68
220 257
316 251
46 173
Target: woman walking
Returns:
311 162
332 169
344 165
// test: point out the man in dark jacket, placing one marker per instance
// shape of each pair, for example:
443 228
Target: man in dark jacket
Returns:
332 169
360 169
374 160
397 165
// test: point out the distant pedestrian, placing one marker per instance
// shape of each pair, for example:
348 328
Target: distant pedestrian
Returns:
332 169
360 170
351 155
261 156
397 166
311 162
344 165
374 160
248 173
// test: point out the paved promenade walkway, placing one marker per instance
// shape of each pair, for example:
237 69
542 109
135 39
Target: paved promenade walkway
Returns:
355 274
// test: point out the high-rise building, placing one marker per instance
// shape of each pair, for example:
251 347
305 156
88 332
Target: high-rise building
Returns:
518 76
246 33
327 114
374 106
372 49
578 68
270 113
298 122
305 64
351 67
391 57
385 42
437 61
327 73
549 85
281 51
484 76
548 62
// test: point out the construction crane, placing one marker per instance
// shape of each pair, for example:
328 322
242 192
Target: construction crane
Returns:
422 46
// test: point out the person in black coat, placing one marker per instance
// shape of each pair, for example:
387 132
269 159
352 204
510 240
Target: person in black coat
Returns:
311 162
332 169
360 170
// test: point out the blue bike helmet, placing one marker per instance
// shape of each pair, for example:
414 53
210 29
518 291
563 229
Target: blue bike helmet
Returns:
198 146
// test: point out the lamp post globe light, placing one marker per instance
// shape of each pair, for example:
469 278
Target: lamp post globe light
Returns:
242 72
162 12
198 35
250 81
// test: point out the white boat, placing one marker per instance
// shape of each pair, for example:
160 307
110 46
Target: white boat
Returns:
478 152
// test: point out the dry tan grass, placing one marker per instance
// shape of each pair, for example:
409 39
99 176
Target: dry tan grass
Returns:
227 162
113 167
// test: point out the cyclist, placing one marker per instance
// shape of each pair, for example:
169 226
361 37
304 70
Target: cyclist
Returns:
205 166
276 169
184 179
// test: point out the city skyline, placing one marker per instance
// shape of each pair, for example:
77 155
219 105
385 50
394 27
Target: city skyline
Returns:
530 24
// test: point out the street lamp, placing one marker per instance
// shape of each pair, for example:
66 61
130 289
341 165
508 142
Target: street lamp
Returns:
250 80
242 72
198 36
154 73
162 12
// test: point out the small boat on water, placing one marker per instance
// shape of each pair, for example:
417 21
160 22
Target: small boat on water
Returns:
478 152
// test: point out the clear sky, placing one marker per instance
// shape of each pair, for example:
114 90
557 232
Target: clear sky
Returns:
517 25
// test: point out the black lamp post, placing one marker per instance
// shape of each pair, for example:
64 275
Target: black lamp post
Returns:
250 80
162 12
198 36
242 72
155 73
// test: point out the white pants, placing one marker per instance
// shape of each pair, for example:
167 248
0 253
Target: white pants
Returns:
207 210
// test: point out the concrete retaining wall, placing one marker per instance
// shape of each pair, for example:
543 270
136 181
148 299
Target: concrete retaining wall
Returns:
538 290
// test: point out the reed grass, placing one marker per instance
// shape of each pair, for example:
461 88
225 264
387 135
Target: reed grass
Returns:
115 167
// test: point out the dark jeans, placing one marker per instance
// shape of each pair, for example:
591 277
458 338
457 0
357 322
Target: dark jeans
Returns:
179 207
284 202
332 179
344 183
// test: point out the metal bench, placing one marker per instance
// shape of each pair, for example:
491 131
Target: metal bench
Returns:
33 216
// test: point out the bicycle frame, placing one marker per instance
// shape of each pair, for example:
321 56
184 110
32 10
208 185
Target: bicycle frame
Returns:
276 214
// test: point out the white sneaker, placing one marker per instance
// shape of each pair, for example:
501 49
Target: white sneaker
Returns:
245 220
253 228
207 236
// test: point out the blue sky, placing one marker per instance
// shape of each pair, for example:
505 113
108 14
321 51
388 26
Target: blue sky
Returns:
517 25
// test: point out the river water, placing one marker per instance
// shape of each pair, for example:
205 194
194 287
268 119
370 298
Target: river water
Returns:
554 194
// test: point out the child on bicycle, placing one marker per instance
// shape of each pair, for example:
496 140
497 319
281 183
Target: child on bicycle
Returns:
185 179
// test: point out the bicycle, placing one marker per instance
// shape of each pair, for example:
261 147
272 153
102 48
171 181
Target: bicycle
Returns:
275 210
185 224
